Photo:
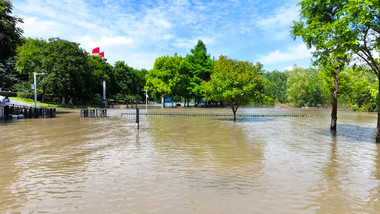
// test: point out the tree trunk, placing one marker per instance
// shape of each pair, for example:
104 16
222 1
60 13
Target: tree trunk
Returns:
63 100
334 113
234 110
378 113
127 104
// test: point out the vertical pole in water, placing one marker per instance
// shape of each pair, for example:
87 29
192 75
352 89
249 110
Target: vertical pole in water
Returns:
138 118
104 92
35 89
146 100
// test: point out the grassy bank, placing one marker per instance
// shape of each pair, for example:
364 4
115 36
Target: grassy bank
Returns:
51 105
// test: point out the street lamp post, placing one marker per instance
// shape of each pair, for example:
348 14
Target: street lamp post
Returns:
35 87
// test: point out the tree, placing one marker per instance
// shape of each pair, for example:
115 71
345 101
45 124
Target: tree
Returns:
165 77
276 85
361 20
69 75
199 67
100 68
10 38
317 29
304 87
126 82
358 22
359 88
234 82
8 74
10 34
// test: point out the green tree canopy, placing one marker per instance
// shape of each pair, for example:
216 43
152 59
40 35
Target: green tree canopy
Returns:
276 85
100 68
305 87
10 34
234 82
200 66
318 29
126 82
165 77
10 38
69 75
359 88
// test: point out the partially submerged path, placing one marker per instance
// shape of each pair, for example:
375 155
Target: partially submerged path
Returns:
15 102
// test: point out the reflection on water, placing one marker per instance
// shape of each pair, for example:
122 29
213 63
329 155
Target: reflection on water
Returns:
190 165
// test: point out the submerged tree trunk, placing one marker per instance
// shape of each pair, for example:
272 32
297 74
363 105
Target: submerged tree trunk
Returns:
234 108
334 113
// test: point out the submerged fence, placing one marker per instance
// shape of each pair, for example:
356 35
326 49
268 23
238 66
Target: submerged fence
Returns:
93 113
14 111
214 114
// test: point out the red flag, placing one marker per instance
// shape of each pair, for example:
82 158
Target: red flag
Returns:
101 54
96 50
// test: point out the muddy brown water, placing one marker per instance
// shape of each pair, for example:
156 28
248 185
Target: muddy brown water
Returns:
190 164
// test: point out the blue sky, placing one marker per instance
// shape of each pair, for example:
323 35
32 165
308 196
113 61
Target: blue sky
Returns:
139 31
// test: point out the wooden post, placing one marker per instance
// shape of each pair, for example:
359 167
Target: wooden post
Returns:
138 118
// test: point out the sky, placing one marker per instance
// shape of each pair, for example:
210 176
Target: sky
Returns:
139 31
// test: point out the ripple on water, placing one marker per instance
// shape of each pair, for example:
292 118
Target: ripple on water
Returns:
190 165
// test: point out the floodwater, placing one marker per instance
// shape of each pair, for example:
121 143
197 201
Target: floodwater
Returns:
190 164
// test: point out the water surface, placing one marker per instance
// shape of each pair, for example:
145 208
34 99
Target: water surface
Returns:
190 164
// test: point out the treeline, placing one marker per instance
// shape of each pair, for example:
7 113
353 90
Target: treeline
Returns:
73 76
180 77
314 87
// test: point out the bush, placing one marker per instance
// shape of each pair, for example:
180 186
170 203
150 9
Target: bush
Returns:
8 93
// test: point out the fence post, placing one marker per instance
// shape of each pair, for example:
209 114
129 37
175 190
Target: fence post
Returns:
138 118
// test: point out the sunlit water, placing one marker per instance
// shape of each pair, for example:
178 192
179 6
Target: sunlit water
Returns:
190 164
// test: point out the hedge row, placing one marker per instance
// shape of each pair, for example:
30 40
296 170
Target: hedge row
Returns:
8 93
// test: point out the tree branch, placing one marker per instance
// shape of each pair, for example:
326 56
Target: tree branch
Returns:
366 51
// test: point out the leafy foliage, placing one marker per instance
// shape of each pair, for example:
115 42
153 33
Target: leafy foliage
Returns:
126 82
68 73
234 82
304 87
276 85
359 88
100 69
10 35
167 76
199 65
10 38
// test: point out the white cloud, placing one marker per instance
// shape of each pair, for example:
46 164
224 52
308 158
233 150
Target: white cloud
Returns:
109 43
114 41
36 28
277 24
140 31
282 17
293 53
190 43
